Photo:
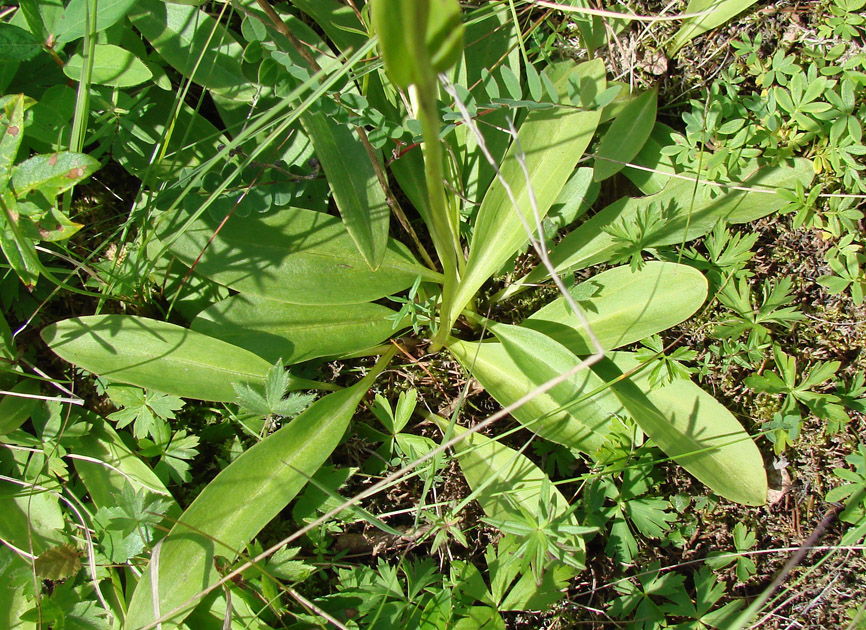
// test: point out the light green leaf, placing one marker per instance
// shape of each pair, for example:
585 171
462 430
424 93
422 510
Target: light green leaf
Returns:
240 501
622 306
112 464
693 428
354 184
720 11
194 44
295 332
530 359
626 135
553 142
502 477
112 66
157 355
293 255
690 214
650 156
72 24
52 174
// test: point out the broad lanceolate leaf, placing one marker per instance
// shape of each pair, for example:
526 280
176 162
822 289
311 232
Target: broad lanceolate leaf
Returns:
527 359
622 306
693 428
553 141
239 502
104 446
294 255
195 45
157 355
626 135
504 478
52 174
688 214
295 332
112 65
718 12
354 184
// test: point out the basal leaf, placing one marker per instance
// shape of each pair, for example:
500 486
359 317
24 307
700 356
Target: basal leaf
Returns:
354 184
526 359
111 465
502 477
295 332
689 214
157 355
16 410
293 255
112 65
239 502
622 306
693 428
626 135
553 141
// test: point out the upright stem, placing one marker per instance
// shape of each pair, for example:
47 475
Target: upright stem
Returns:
442 228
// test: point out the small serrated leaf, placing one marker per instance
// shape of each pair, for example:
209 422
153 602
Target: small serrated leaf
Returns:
58 563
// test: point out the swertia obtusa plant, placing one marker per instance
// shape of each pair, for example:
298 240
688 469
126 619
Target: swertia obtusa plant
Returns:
270 273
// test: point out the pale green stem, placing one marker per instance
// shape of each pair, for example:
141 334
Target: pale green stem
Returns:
442 230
